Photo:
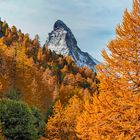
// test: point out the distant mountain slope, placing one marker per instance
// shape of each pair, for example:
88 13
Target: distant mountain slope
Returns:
62 41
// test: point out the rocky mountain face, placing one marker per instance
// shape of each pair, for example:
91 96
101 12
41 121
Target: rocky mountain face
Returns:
62 41
1 33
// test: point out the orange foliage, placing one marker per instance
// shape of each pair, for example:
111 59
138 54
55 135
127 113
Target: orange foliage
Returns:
114 113
1 136
37 72
62 124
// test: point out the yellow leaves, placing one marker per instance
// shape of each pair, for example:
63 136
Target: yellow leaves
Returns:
1 86
62 125
22 58
105 56
68 59
113 119
39 55
114 113
48 78
1 136
19 71
136 7
127 23
123 58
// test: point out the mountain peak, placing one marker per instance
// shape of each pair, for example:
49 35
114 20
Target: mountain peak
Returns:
62 41
59 24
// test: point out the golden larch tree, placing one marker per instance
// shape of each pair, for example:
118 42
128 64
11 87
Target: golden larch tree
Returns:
62 125
114 114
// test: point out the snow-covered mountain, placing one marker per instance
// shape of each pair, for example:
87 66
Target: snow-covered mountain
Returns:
62 41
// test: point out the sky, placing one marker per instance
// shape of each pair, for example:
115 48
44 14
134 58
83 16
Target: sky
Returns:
93 22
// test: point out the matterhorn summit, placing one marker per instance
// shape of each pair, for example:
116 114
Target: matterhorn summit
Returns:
62 41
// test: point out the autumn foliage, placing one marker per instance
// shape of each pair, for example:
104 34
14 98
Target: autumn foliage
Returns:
77 104
39 77
37 73
114 114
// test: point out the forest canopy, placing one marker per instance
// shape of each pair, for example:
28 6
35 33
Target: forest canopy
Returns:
45 96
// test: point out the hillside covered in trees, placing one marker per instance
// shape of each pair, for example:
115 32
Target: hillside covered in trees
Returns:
45 96
33 74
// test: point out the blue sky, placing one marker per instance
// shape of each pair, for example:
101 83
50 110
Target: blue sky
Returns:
93 22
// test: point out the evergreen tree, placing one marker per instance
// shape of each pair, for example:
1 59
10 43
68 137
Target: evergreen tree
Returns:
17 121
